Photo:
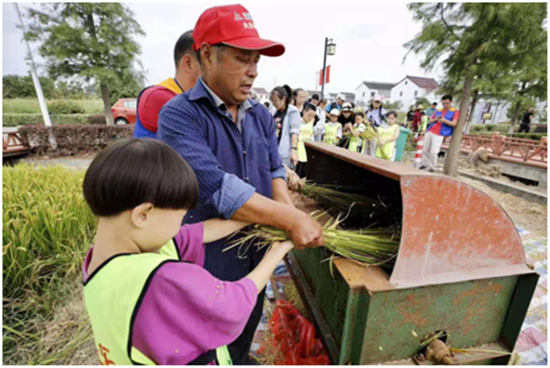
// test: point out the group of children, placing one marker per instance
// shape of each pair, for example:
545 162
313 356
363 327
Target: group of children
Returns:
334 132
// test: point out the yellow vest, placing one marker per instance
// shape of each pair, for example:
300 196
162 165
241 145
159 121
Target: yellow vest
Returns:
331 133
354 141
171 84
111 297
386 152
306 135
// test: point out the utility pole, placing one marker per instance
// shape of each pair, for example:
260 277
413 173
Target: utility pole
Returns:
36 81
317 76
324 68
330 49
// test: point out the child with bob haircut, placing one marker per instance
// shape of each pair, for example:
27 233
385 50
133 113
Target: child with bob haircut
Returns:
149 299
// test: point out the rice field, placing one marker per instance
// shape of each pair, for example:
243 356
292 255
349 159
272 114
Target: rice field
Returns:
47 228
31 106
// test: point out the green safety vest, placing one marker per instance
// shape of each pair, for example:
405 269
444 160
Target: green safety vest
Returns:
113 294
386 152
331 133
306 135
354 141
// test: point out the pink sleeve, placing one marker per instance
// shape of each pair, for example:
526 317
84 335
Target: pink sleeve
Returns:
190 243
186 312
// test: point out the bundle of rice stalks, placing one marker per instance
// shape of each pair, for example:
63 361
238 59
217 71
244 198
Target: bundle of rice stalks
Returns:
331 198
373 247
369 133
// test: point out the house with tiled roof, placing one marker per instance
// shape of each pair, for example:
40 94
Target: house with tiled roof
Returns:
411 88
368 90
262 93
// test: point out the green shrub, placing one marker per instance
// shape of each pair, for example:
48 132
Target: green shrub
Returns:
98 119
534 136
13 120
62 107
72 139
489 128
539 128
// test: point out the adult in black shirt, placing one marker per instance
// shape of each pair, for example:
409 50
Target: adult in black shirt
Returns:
525 125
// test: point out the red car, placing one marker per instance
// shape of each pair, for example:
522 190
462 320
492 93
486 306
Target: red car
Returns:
124 111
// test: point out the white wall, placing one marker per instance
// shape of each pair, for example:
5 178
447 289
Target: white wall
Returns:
363 90
433 96
405 92
369 94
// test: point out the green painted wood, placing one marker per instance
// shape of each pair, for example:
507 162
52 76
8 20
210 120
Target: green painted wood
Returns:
518 309
331 293
472 313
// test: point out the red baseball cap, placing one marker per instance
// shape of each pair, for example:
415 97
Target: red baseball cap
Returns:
232 25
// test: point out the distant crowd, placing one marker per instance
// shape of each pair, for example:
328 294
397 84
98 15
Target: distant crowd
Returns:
373 131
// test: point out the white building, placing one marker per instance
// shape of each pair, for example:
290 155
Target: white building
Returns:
410 88
367 90
498 112
262 94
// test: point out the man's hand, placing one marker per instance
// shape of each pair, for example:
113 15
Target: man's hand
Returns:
305 232
293 180
293 157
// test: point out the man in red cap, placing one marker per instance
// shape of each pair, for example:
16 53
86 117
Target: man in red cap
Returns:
229 140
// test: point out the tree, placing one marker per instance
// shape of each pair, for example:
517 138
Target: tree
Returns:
128 86
396 105
424 102
91 40
471 39
531 86
16 86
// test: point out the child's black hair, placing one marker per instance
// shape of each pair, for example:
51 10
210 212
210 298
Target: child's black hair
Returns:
134 171
359 113
310 107
283 92
392 113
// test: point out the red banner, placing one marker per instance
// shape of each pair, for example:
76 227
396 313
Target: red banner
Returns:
321 75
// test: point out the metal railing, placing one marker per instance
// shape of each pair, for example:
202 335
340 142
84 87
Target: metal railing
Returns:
518 150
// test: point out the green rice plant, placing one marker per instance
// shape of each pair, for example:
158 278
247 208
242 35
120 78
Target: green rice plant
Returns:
369 133
332 198
47 228
373 247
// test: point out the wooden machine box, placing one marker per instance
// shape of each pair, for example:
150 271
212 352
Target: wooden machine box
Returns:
460 268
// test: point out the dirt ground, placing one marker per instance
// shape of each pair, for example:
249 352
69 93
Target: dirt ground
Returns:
526 214
494 171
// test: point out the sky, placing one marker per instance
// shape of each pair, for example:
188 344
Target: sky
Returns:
369 41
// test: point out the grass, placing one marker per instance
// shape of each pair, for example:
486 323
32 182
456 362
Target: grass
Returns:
47 228
31 106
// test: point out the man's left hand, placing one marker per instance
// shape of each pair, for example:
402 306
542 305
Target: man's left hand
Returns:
293 157
293 180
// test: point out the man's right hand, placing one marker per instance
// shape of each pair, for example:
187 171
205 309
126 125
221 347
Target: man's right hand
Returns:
305 232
